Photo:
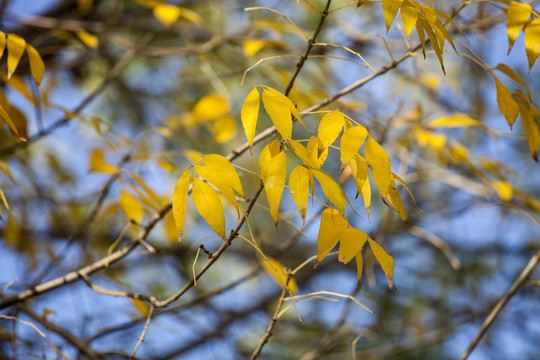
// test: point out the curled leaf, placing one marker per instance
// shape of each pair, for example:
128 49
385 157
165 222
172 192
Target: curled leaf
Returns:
332 225
277 271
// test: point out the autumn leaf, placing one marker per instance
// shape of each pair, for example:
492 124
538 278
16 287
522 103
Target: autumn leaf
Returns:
224 129
513 75
532 41
15 47
504 189
317 152
209 205
299 187
286 101
249 115
210 108
274 183
279 113
215 177
37 67
380 165
409 16
223 166
331 189
390 9
98 163
167 14
437 47
397 204
87 38
385 260
131 207
330 126
2 43
351 242
268 153
277 271
179 202
303 154
528 114
516 18
507 105
332 225
351 141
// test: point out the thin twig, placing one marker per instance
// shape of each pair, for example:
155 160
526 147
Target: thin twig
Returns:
275 317
311 41
145 329
500 304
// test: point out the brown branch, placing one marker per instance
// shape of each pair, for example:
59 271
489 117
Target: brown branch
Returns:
273 321
311 41
145 329
501 303
66 334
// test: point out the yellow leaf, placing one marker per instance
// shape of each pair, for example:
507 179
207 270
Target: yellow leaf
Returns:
504 189
193 155
409 15
2 43
528 114
330 127
303 154
407 186
360 172
224 129
15 119
37 67
279 112
268 153
532 41
429 138
253 46
191 15
332 225
169 229
131 207
516 18
359 266
332 190
214 177
421 36
351 141
277 271
15 47
179 202
380 165
141 306
98 163
87 38
351 242
286 100
299 187
223 166
167 14
390 9
209 108
249 115
385 260
434 42
507 105
207 202
397 204
454 121
513 75
317 152
274 183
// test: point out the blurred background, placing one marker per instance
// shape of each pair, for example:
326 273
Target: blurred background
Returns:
124 106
